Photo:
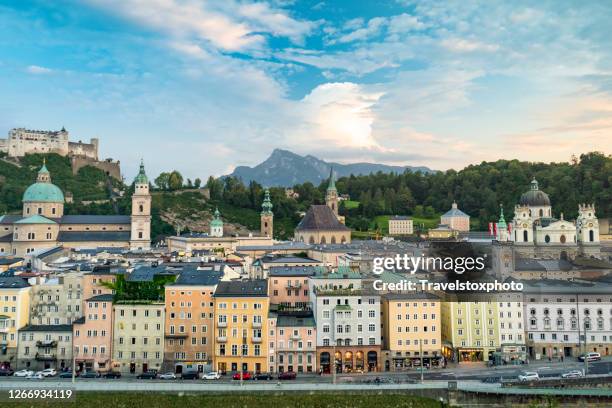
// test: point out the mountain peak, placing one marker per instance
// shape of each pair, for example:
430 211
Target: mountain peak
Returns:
285 168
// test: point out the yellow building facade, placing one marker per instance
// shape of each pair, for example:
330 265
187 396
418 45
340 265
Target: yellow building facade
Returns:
470 329
14 314
241 326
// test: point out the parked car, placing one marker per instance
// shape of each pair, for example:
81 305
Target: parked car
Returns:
263 376
572 374
147 375
245 376
6 372
167 376
65 374
35 376
213 375
190 375
89 374
287 375
49 372
112 374
23 373
528 376
590 357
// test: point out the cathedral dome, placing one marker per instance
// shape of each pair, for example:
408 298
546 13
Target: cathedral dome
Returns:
43 190
535 197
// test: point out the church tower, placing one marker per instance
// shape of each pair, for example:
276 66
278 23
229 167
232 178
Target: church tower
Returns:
267 217
216 225
141 212
523 225
502 250
331 195
587 224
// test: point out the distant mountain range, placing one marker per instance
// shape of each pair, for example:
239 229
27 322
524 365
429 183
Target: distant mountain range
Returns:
285 168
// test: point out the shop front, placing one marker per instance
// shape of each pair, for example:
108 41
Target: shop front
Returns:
348 359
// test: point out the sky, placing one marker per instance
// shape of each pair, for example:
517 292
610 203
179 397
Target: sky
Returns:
203 86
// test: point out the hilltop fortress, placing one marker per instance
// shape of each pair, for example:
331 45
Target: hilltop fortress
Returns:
21 141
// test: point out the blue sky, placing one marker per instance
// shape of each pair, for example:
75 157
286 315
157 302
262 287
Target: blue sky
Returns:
204 86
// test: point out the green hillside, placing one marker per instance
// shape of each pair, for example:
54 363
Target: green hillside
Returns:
89 184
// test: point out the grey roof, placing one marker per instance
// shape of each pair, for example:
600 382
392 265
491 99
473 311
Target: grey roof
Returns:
295 321
400 218
99 236
546 221
246 288
95 219
47 328
148 273
321 217
10 218
535 286
9 261
284 246
101 298
288 259
7 238
454 212
194 277
12 282
410 296
292 270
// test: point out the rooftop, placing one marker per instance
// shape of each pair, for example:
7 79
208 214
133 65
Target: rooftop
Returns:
195 277
95 219
47 328
293 270
101 298
93 236
12 282
295 321
410 296
320 217
246 288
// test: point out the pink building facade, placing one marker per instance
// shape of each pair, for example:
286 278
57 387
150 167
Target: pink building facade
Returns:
293 343
92 334
288 286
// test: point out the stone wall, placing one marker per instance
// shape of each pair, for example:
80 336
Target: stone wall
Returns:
110 167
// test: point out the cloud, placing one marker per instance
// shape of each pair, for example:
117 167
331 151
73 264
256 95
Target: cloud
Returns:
38 70
371 29
227 26
463 45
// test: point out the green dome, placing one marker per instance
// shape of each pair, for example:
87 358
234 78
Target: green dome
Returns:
141 177
43 192
216 222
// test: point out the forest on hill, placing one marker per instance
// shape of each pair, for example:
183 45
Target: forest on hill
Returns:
478 189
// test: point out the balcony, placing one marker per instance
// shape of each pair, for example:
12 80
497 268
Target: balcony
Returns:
255 339
293 285
221 339
257 325
45 357
176 335
222 324
46 343
295 337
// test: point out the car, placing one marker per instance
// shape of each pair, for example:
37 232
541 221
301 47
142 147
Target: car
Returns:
287 375
65 374
213 375
167 376
147 375
245 376
35 376
23 373
112 374
6 372
572 374
89 374
49 372
528 376
590 357
190 375
263 376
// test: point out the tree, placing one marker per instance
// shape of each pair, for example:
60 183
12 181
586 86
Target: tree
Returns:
162 181
197 182
175 181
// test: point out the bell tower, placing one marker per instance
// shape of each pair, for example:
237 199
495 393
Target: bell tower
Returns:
267 217
331 195
140 235
587 224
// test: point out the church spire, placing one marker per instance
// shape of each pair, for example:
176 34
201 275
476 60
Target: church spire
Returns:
141 177
266 206
332 180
